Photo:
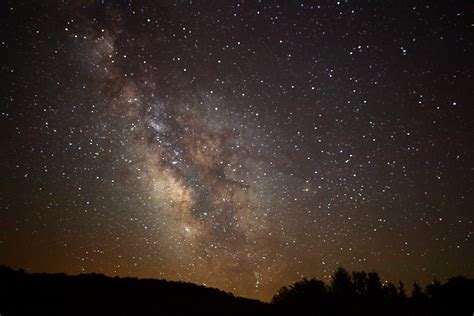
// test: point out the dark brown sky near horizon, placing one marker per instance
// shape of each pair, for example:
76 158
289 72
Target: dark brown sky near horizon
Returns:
240 145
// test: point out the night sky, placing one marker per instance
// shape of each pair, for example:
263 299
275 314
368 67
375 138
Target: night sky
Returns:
240 145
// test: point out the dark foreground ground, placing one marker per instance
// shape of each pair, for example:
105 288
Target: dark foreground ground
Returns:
349 294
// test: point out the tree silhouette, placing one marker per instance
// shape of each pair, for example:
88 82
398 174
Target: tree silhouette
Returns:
433 290
417 292
362 293
303 295
358 293
341 284
374 286
390 291
401 290
359 282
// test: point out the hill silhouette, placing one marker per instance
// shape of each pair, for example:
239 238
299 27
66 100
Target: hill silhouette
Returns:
356 293
96 294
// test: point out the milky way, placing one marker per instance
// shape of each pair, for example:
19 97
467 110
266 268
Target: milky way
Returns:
240 145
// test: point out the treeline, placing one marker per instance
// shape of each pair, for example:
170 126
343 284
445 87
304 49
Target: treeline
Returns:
356 293
96 294
361 293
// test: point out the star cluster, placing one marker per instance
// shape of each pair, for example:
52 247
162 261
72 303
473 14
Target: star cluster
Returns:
237 145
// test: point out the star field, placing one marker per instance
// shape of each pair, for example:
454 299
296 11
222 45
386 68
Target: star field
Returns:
237 145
